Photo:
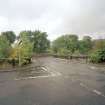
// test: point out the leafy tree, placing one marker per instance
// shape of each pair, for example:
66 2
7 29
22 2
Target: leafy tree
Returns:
25 47
98 56
38 38
98 52
72 43
98 44
87 38
40 42
10 35
4 47
85 45
25 35
69 44
88 42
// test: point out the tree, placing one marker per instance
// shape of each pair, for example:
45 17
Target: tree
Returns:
72 43
25 47
40 42
99 44
38 38
87 38
98 52
5 47
85 45
25 35
98 56
10 35
66 43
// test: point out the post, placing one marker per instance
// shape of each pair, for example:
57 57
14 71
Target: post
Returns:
20 53
19 57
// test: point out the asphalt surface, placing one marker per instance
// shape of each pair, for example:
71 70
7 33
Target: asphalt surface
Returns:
54 82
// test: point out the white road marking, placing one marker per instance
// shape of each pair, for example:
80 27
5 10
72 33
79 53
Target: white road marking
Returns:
25 78
52 74
92 67
92 90
61 59
98 93
58 73
44 68
83 85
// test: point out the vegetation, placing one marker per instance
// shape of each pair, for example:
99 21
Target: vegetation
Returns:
5 47
38 38
70 45
27 43
98 56
66 44
98 53
25 48
40 42
85 45
10 35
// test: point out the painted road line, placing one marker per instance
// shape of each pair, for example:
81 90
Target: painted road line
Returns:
25 78
92 90
52 74
45 69
98 93
83 85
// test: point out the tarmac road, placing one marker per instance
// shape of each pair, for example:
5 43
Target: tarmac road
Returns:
55 82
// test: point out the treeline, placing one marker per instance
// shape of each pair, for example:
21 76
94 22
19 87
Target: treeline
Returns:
21 47
71 45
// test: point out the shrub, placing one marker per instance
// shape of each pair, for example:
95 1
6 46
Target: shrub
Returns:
98 56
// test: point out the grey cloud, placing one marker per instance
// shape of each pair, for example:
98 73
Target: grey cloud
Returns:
22 8
90 19
70 16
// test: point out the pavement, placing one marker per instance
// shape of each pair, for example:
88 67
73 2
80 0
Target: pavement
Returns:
54 81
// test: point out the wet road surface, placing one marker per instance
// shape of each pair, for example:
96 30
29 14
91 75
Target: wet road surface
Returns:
54 81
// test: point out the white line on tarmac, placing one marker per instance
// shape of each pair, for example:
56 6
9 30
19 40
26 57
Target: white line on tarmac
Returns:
83 85
52 74
99 93
44 68
25 78
92 90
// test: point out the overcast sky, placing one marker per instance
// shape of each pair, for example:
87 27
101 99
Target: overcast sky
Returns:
56 17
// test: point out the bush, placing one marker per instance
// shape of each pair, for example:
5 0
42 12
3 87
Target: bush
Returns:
98 56
63 51
5 47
